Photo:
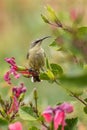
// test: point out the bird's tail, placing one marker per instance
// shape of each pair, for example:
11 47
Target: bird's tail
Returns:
36 78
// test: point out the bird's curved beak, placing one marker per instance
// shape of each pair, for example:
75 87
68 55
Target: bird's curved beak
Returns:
41 39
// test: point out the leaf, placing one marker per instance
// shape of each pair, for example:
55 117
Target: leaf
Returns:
50 74
53 16
53 44
85 109
52 12
45 19
29 110
74 80
3 122
56 47
56 69
81 41
82 33
85 99
1 101
26 113
60 127
85 67
41 118
44 76
21 68
33 128
71 124
47 64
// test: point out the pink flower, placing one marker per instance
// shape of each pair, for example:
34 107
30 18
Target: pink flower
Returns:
75 14
13 70
11 61
14 106
47 114
17 91
7 77
66 107
57 114
15 103
59 119
17 71
15 126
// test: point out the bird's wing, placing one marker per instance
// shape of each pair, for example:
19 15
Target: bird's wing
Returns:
27 56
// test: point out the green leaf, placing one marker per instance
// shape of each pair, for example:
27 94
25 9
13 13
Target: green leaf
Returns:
55 45
56 69
44 76
79 81
60 127
26 113
3 122
33 128
71 124
21 68
53 16
1 101
82 33
47 64
52 12
29 110
74 80
50 74
45 19
41 118
85 110
85 67
85 99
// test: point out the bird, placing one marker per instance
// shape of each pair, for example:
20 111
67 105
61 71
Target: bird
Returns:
36 58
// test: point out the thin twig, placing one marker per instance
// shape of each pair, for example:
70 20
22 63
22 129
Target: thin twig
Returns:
45 125
78 98
74 95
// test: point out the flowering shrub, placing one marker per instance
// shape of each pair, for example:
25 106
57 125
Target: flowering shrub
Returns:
52 118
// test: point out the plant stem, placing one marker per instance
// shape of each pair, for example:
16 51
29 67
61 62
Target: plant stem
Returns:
52 125
45 125
78 98
35 99
74 95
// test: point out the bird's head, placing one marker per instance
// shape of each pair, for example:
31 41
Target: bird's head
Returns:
38 41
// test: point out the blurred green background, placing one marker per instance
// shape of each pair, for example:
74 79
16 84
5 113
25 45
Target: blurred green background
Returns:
20 24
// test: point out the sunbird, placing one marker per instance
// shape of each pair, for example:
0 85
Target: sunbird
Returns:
36 57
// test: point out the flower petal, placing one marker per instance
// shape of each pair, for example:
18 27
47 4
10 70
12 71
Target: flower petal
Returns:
48 114
7 77
59 119
15 126
68 108
11 61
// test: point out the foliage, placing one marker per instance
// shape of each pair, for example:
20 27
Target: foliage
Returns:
71 124
70 40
